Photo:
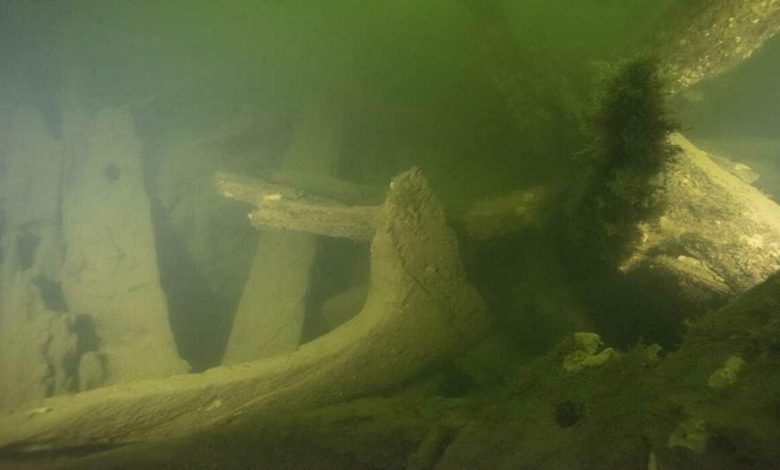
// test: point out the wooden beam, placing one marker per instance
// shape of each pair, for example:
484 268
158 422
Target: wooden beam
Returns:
289 208
699 39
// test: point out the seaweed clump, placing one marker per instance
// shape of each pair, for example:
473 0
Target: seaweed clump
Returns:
630 150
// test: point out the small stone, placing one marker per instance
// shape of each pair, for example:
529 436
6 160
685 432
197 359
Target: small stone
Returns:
568 413
585 352
652 354
727 374
214 405
691 434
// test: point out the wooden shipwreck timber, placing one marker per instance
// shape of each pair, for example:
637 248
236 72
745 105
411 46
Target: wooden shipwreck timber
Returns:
417 371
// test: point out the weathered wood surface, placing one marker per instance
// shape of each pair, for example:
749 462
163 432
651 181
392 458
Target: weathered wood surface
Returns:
717 236
420 308
36 338
289 208
356 223
80 260
700 39
270 315
285 208
326 186
110 267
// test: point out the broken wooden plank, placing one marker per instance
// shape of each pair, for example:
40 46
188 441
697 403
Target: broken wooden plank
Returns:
325 186
356 223
287 208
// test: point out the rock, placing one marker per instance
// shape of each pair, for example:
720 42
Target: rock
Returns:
727 374
691 434
583 351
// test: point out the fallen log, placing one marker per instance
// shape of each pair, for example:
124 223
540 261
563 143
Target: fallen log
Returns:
420 308
701 39
289 207
356 223
717 235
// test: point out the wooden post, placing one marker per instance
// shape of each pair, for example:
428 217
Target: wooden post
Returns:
270 315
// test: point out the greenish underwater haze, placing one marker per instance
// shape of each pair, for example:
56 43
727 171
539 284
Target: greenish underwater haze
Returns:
409 82
407 73
406 70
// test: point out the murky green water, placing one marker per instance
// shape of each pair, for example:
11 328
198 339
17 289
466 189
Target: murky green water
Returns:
121 260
